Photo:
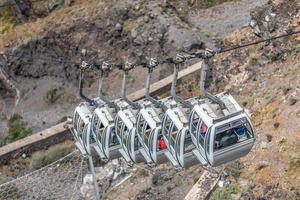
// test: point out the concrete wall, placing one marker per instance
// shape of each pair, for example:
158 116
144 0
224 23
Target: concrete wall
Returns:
37 141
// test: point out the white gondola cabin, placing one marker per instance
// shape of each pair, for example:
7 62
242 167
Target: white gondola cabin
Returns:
149 125
175 124
102 125
126 132
177 136
221 136
125 123
103 130
149 130
82 126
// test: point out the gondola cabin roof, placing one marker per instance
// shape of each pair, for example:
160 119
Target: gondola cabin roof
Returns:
105 116
84 111
211 112
127 118
178 117
151 117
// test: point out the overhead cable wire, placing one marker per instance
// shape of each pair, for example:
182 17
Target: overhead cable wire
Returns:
169 60
259 41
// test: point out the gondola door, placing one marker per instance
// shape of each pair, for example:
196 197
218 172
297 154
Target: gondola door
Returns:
153 149
199 132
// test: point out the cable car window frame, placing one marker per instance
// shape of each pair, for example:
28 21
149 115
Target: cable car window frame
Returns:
193 130
76 116
81 127
167 124
187 137
118 127
146 137
140 125
172 135
136 142
124 133
97 128
242 121
201 137
95 122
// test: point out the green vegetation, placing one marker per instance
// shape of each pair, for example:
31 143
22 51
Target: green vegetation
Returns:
223 193
7 20
234 169
131 78
294 164
205 3
282 144
12 187
4 179
142 172
250 186
42 158
178 181
132 178
253 61
17 130
51 96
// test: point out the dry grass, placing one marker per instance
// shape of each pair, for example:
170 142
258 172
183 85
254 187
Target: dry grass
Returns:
7 20
63 16
42 158
128 25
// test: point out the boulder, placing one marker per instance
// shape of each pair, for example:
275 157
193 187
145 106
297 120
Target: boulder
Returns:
118 27
53 4
192 44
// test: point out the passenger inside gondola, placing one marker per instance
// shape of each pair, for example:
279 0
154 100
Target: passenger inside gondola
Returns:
239 133
113 139
161 144
203 129
225 139
148 131
81 126
137 144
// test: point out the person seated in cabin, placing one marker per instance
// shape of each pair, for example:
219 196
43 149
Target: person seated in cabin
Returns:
203 129
161 144
115 139
225 139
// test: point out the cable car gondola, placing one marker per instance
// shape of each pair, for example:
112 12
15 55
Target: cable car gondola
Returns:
149 125
220 128
175 128
102 124
82 117
125 125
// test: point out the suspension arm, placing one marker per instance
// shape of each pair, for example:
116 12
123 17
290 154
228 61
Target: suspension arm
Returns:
81 94
123 93
173 89
205 92
100 92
